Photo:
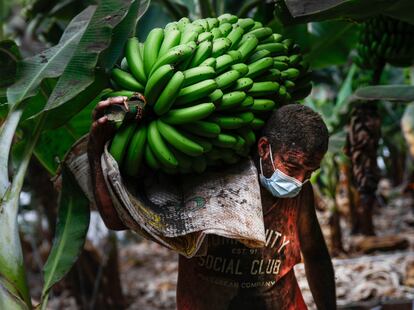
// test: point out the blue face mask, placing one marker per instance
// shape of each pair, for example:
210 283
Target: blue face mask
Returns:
279 184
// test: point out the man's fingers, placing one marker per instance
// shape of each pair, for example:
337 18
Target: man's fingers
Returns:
100 108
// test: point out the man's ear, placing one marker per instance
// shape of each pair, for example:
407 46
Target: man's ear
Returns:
263 148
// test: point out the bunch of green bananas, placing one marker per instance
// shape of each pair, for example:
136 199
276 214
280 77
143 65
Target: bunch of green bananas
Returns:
384 39
209 85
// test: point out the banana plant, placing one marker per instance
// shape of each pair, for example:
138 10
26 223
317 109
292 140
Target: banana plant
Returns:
50 88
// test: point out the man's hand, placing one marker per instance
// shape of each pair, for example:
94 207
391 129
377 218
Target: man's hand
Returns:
102 130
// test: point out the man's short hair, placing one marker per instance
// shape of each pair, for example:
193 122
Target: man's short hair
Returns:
297 127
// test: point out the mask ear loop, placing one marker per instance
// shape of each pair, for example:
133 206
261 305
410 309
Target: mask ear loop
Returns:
261 168
271 156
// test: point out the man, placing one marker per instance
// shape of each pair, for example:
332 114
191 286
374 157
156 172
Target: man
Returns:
232 276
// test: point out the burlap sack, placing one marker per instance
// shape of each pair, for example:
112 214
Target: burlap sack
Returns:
180 211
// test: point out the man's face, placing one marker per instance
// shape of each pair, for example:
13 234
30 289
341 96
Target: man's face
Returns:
294 163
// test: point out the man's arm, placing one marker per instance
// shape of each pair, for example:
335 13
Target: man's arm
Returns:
101 131
318 265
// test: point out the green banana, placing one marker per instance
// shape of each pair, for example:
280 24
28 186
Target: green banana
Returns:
188 36
196 91
126 80
120 142
134 59
258 55
202 23
245 104
272 75
173 57
159 148
216 95
295 59
151 47
187 115
240 144
150 158
237 56
274 38
246 23
223 62
243 84
231 100
212 22
227 18
261 33
248 47
257 123
184 64
171 39
289 85
178 140
135 152
235 36
203 128
257 25
247 117
216 33
263 89
225 29
157 82
282 58
281 66
171 26
211 62
205 36
220 45
195 27
182 23
226 79
241 67
198 74
260 105
288 43
273 48
227 122
248 135
202 52
258 67
169 94
224 140
291 73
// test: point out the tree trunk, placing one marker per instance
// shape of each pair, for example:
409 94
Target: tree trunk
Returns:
336 232
363 136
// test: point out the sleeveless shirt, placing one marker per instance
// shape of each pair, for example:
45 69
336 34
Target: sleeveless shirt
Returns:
233 276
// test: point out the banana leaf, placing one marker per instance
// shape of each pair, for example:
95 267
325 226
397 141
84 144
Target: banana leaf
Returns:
317 10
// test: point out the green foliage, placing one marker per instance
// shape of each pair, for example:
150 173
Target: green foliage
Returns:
72 226
9 55
48 64
305 11
55 85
